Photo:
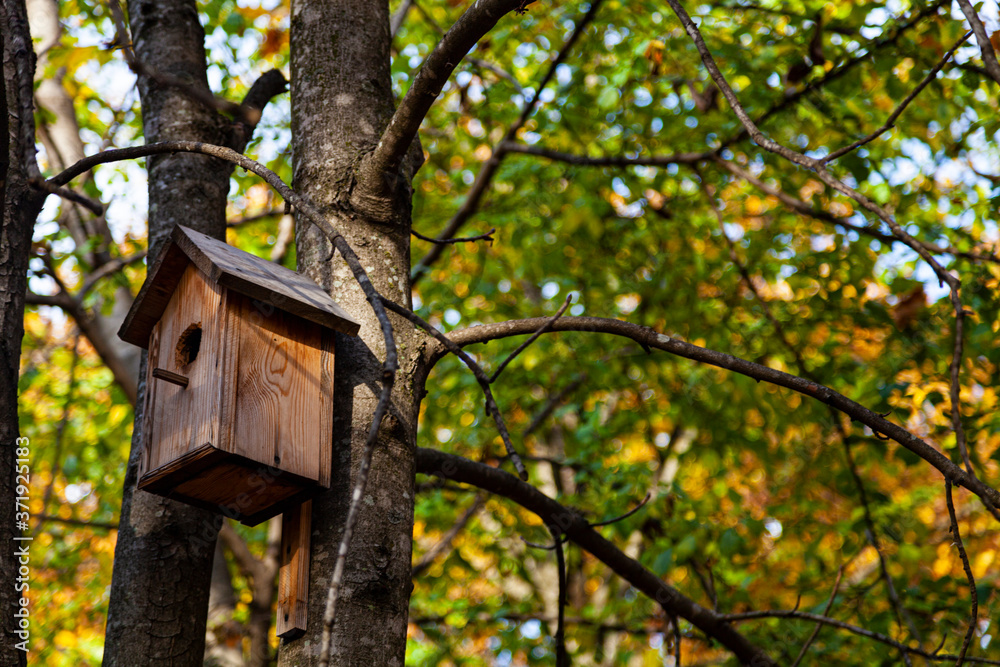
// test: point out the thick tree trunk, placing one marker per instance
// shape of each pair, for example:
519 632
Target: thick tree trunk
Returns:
21 205
341 102
163 558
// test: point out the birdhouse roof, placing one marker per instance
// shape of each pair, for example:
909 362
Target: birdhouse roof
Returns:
232 268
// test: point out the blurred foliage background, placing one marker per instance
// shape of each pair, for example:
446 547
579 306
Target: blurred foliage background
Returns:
757 501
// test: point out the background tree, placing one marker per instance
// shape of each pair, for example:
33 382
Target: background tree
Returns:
810 188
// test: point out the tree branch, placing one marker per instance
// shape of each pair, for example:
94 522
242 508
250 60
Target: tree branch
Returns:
891 120
489 168
378 170
650 338
973 593
608 160
484 381
445 542
574 527
989 55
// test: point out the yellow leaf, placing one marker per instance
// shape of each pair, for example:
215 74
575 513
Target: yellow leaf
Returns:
65 639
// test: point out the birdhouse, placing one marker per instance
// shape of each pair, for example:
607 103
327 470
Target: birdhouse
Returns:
238 407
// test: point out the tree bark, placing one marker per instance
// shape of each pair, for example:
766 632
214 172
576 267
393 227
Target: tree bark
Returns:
163 558
21 204
341 103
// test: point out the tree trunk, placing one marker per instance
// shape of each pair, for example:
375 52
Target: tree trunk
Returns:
21 205
341 103
163 558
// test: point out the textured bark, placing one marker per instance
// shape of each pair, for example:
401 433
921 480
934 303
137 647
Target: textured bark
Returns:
341 103
163 558
20 206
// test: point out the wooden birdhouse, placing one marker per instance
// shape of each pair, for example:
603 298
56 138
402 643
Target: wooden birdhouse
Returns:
239 391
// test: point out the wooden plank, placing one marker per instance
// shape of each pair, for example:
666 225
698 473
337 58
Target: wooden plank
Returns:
293 577
267 282
164 479
186 418
280 412
325 416
149 400
162 278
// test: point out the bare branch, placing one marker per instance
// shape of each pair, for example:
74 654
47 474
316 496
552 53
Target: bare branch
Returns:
864 632
891 120
974 605
826 612
608 522
989 55
245 115
337 578
542 329
484 381
477 21
489 168
652 339
445 542
396 22
93 206
499 71
818 214
108 268
576 528
606 161
488 236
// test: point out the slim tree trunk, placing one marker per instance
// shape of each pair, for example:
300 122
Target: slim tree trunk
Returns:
341 103
21 205
163 558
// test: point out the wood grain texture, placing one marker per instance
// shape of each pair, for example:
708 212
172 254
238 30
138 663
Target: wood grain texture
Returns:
186 418
293 576
229 484
280 406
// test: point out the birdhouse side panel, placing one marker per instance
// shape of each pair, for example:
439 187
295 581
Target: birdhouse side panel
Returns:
188 341
278 411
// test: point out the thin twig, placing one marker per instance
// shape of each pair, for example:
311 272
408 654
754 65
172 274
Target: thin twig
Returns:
60 435
488 236
826 612
484 381
445 542
542 329
974 606
489 168
337 578
111 266
562 656
608 522
985 46
864 632
95 207
817 166
650 338
891 120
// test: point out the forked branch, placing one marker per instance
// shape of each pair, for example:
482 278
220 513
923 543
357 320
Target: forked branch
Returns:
650 338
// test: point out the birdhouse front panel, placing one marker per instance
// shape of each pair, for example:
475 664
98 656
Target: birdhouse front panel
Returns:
187 341
238 411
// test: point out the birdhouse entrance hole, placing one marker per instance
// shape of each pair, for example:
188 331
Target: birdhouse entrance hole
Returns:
188 344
